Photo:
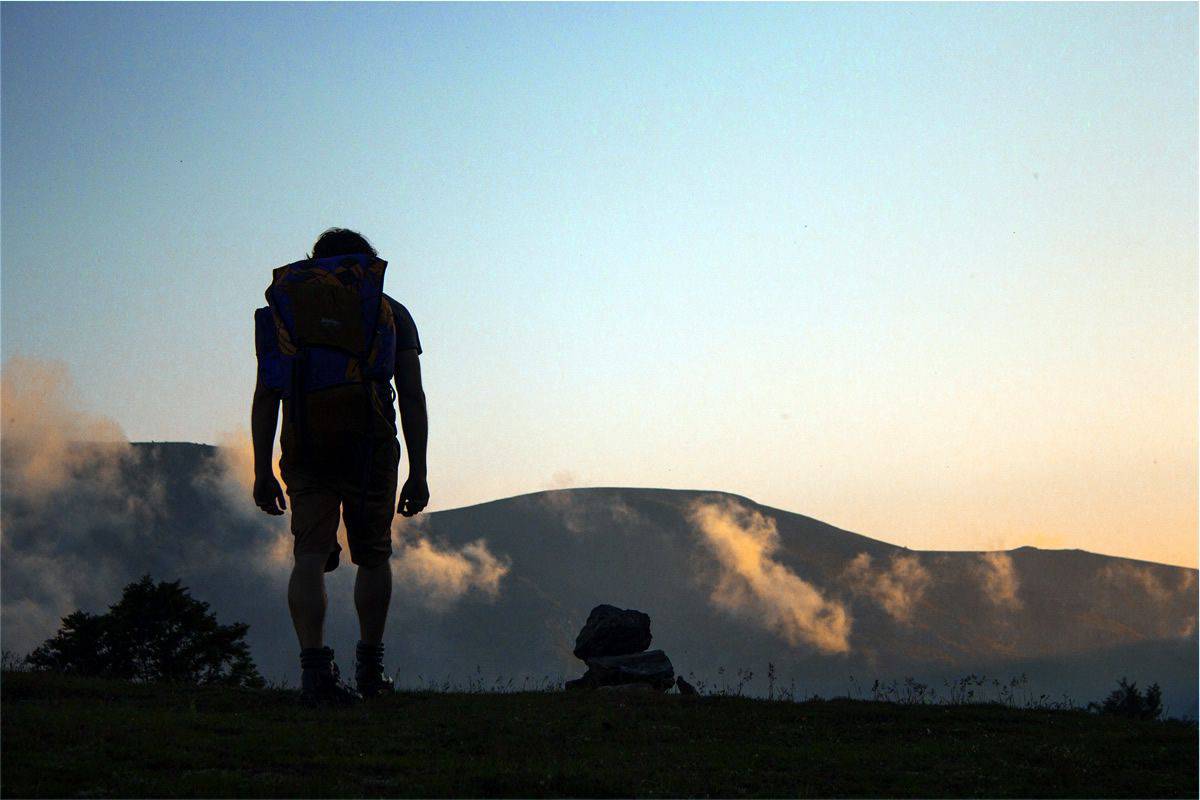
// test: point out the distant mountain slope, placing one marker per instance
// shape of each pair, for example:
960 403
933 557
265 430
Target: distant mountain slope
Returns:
501 588
907 612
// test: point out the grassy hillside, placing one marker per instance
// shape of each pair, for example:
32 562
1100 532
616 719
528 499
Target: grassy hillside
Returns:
79 737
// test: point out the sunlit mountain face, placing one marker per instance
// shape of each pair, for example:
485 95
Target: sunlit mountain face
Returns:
740 595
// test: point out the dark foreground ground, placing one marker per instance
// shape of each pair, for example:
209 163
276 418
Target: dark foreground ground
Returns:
75 737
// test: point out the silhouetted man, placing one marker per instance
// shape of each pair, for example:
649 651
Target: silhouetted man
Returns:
328 343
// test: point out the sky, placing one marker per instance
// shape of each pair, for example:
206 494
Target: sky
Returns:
924 272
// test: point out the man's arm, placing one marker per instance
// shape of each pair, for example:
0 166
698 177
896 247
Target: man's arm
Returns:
264 417
414 420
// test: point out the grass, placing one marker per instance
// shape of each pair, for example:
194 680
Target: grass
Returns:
75 737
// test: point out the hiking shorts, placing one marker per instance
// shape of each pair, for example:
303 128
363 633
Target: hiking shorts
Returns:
318 501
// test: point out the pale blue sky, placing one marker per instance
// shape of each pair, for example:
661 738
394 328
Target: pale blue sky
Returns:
927 272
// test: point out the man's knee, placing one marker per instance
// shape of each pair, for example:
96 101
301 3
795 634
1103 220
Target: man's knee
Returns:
310 562
371 558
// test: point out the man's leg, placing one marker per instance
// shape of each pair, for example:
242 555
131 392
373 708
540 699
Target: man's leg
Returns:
307 599
372 595
315 514
369 531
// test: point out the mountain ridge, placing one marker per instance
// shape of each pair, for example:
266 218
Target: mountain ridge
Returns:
503 586
214 449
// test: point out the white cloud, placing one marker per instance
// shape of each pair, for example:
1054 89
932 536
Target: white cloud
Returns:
752 583
441 575
897 588
1142 579
999 580
583 512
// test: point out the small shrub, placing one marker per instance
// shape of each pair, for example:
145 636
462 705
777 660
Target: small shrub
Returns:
911 693
963 690
155 632
1129 701
11 662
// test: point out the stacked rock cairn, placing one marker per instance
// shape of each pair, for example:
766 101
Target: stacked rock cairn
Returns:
613 644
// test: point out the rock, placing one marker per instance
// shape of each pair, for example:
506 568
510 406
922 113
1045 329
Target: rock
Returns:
611 631
628 687
611 644
652 668
684 687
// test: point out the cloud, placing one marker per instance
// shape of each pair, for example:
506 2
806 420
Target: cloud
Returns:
753 584
68 492
439 575
83 512
999 580
1128 576
235 455
1187 582
47 438
436 575
897 589
582 512
563 479
230 475
1148 584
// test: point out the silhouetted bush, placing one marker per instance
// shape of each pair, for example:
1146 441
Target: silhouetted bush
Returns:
156 632
1128 701
11 662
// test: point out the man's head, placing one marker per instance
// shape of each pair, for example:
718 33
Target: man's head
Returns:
341 242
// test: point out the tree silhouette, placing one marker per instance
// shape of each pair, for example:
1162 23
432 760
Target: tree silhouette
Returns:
156 632
1128 701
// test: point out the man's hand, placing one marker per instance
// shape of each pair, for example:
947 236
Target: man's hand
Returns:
268 495
413 497
264 417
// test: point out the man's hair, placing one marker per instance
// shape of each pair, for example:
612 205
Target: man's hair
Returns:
341 242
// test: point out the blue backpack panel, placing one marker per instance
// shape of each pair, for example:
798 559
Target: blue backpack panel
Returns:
326 341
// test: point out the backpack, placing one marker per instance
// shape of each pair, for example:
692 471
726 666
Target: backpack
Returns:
327 343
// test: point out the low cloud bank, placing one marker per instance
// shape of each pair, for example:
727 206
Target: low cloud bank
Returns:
753 584
1139 579
581 513
434 575
897 587
63 500
47 439
1152 586
83 512
230 477
438 574
999 580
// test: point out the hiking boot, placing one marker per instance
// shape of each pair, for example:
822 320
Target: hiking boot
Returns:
369 676
321 682
371 686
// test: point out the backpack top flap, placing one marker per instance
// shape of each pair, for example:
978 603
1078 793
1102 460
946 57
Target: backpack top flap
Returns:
328 302
332 312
